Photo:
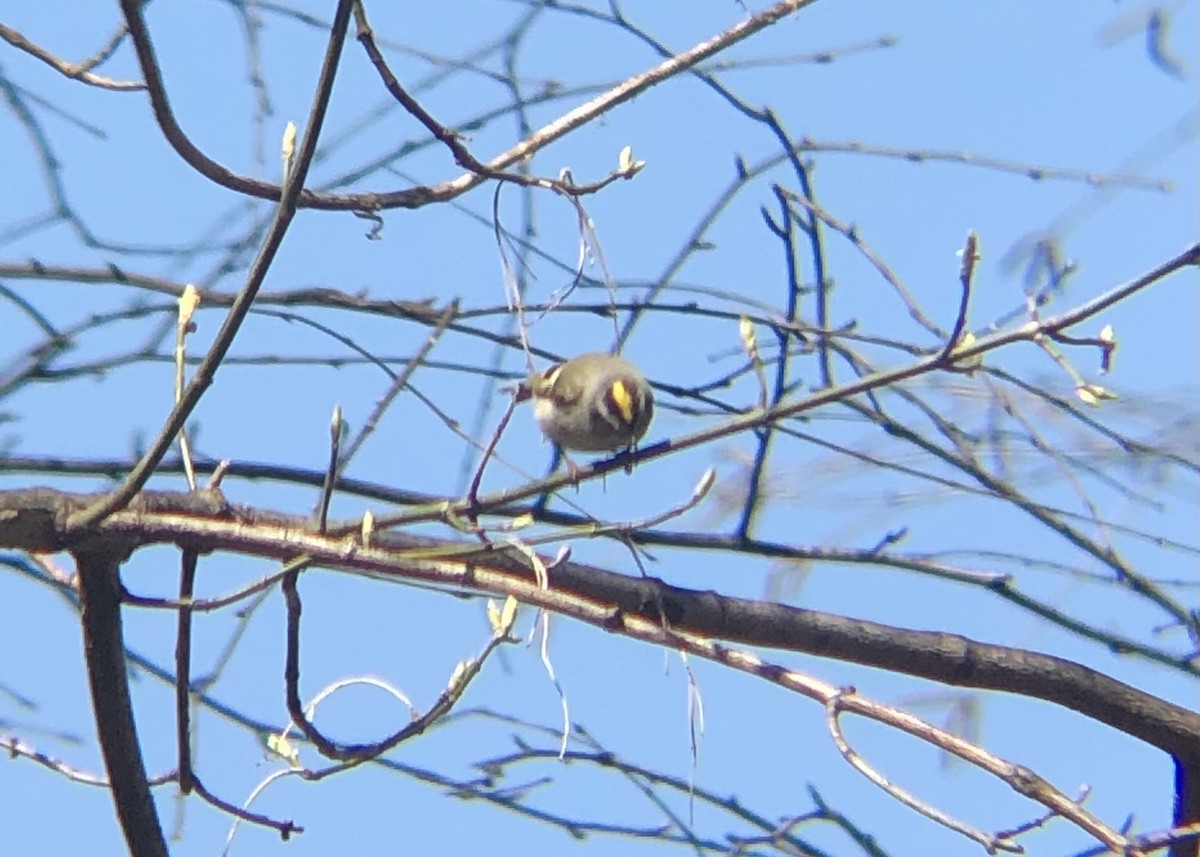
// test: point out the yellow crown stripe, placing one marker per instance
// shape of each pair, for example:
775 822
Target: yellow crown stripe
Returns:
623 399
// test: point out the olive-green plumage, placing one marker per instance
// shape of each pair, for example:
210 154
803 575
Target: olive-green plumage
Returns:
592 403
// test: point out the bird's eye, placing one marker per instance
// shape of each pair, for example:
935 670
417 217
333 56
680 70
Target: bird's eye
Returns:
542 383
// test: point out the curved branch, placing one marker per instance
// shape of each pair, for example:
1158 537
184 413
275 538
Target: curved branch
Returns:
81 71
284 214
424 195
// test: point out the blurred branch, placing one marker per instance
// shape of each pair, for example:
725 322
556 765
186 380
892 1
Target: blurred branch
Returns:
81 71
842 393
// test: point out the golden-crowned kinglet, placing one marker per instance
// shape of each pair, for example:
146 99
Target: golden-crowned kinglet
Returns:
592 403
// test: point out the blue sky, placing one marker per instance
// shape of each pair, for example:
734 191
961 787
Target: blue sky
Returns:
1042 85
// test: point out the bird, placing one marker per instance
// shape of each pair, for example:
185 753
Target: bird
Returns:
592 403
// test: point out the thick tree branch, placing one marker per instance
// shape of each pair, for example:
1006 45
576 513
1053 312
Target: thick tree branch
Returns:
99 564
34 519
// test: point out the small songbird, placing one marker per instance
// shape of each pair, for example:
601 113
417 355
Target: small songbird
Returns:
592 403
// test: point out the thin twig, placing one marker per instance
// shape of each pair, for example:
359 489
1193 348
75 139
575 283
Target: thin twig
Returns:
991 844
966 274
284 213
183 668
399 382
331 470
81 71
